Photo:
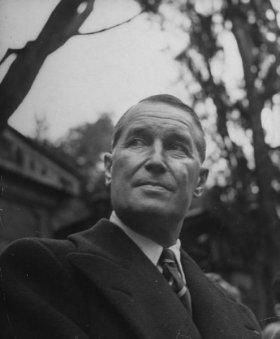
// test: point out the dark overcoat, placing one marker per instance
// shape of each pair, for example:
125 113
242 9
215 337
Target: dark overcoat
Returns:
98 284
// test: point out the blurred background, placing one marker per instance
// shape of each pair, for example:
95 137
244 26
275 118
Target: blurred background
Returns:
70 68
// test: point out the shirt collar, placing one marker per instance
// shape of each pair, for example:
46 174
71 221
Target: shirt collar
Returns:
149 247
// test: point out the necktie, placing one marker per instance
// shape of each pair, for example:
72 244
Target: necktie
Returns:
169 267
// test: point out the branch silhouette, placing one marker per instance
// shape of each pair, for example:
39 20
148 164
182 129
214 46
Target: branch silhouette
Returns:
114 26
63 23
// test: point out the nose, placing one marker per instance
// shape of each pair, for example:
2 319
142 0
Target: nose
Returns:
155 162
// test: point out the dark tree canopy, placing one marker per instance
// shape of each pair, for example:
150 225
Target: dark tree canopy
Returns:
88 141
87 144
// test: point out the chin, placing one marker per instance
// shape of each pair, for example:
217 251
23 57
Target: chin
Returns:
151 207
147 212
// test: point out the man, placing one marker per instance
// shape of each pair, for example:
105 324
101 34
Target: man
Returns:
272 330
128 277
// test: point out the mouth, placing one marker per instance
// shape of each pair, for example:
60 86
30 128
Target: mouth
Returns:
155 185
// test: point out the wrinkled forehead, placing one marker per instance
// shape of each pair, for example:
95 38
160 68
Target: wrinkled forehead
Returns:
154 113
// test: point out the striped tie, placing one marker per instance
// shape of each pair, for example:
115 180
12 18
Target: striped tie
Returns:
169 268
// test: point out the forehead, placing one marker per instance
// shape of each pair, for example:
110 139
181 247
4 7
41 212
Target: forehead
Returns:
155 115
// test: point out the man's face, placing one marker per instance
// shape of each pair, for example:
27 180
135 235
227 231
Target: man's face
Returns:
155 168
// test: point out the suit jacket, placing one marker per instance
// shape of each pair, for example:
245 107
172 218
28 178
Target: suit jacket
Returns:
99 284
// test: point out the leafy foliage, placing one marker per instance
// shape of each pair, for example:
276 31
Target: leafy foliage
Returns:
86 144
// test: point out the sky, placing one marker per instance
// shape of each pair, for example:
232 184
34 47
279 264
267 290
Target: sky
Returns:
106 72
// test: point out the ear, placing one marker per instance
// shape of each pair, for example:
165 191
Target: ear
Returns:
201 182
277 309
108 168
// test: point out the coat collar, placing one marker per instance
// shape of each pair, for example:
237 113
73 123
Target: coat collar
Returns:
217 315
114 264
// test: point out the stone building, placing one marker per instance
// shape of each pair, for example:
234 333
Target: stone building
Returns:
39 190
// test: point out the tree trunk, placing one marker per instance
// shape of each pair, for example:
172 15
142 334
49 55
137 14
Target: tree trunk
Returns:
267 261
266 264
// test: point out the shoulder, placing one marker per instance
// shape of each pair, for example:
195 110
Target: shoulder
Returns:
38 286
272 330
40 265
31 262
31 251
35 253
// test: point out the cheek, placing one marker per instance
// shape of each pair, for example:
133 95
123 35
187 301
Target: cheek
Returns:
121 169
181 173
187 176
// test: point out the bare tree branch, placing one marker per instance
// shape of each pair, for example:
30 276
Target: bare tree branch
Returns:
63 23
9 52
275 148
271 81
114 26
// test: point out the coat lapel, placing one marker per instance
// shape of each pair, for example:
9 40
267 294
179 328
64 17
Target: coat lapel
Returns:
216 315
135 288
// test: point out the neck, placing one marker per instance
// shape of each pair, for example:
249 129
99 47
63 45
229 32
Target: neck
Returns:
161 230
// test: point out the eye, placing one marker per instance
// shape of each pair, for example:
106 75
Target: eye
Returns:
137 142
178 148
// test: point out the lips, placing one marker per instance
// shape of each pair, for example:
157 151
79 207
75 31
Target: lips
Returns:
155 184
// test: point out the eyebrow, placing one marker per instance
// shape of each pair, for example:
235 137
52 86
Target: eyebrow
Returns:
179 136
139 131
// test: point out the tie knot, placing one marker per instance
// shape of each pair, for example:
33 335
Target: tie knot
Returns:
167 257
